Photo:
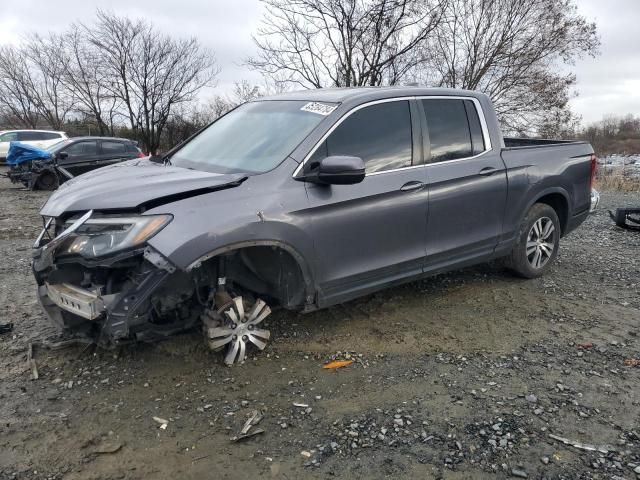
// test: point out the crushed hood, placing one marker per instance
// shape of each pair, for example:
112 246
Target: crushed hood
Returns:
136 184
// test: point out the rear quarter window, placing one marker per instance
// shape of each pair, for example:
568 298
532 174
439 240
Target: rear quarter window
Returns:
51 136
477 138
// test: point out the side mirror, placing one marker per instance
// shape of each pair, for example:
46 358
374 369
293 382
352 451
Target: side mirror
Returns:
337 170
62 155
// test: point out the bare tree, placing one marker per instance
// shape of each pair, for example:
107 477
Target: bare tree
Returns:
31 82
150 72
17 98
242 92
513 50
322 43
45 57
89 80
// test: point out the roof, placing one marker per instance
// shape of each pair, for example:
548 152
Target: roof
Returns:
31 130
103 138
340 95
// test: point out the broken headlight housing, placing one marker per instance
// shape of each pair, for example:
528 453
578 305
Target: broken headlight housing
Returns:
101 236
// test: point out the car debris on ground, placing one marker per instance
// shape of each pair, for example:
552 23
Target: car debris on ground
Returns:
163 423
6 328
248 429
582 446
31 363
627 218
337 364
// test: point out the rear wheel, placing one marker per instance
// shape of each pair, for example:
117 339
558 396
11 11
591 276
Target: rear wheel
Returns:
538 242
47 181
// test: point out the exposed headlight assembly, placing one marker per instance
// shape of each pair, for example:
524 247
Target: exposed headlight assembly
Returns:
101 236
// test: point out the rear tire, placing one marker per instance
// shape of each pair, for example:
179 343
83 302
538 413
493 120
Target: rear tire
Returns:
538 242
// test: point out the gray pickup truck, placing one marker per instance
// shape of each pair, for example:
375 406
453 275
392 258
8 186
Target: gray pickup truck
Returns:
303 200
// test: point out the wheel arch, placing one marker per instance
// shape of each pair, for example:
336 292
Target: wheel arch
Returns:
558 199
309 289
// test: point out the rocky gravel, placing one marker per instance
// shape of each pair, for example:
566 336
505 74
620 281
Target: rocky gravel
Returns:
473 374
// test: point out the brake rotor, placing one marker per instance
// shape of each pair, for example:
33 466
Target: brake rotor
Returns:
234 328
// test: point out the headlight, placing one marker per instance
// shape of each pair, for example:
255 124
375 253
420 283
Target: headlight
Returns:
102 236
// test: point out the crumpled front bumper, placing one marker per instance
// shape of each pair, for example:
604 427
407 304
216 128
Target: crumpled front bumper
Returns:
87 304
110 317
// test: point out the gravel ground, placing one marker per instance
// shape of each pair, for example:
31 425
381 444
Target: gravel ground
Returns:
472 374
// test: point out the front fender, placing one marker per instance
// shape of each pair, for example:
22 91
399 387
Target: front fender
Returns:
265 210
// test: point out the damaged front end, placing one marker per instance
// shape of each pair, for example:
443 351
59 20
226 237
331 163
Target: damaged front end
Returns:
33 167
35 174
98 277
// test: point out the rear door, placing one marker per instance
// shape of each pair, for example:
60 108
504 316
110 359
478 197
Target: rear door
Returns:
114 151
372 233
467 183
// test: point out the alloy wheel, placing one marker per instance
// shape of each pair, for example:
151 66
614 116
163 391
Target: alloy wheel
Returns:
541 242
238 329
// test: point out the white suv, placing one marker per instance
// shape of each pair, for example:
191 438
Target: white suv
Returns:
37 138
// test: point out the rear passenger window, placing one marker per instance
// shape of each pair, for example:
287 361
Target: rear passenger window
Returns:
379 134
448 129
28 136
477 139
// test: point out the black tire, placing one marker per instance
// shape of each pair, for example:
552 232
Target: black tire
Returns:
531 261
47 181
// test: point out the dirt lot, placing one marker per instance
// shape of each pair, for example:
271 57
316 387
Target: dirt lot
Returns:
465 375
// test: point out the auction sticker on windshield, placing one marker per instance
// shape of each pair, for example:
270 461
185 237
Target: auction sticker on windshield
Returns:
319 108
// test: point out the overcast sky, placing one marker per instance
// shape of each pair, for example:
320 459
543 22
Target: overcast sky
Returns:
609 84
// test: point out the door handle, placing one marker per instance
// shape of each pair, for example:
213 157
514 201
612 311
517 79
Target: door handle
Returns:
410 186
486 171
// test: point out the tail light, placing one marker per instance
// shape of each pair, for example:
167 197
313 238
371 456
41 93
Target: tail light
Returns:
594 164
141 154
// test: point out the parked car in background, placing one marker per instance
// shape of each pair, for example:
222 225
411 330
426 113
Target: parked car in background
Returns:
37 138
46 169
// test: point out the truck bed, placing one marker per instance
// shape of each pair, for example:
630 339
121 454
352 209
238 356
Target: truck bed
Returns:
513 142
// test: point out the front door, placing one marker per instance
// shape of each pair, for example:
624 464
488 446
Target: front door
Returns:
82 157
467 185
370 234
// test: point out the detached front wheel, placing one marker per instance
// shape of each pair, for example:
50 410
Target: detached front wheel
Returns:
233 326
538 242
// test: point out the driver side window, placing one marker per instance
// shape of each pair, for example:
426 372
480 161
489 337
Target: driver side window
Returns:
82 149
379 134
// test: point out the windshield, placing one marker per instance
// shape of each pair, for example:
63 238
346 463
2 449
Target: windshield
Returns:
253 138
57 145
